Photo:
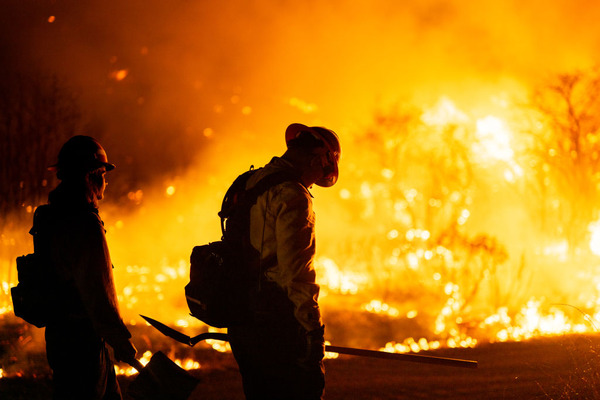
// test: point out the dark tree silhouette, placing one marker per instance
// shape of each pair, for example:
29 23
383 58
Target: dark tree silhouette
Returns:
37 115
566 151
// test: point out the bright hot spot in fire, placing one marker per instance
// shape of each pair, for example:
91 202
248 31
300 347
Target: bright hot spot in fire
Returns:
399 244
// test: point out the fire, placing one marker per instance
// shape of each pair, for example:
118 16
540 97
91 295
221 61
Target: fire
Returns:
333 279
494 138
414 250
129 371
6 306
380 307
187 364
329 355
594 228
495 143
387 253
531 322
220 346
444 112
410 345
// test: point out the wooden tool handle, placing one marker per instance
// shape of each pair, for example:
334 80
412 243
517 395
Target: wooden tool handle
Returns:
451 362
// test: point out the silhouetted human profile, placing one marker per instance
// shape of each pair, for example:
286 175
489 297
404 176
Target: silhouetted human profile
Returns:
70 235
280 351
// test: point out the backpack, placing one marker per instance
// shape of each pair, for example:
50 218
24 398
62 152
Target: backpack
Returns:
34 296
225 275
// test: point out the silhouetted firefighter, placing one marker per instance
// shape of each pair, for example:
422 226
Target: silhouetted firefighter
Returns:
280 349
70 235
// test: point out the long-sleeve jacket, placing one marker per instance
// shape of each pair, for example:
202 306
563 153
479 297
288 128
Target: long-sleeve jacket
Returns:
282 224
74 239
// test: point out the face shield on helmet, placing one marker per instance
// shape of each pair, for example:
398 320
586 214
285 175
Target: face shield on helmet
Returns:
330 153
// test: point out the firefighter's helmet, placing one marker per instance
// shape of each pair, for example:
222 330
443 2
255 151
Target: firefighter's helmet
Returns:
81 154
332 149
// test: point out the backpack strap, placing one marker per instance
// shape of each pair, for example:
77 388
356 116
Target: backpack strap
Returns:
268 182
238 198
231 198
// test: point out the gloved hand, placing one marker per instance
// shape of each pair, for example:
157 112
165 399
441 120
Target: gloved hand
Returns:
315 348
124 350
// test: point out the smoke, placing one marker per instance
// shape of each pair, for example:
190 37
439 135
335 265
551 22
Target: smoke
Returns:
196 65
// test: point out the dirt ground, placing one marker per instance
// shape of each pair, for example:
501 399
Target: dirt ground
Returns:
547 368
563 367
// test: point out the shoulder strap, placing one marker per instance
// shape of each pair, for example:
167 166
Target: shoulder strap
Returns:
238 198
43 222
268 182
40 218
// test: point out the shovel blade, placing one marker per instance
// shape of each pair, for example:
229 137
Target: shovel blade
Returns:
162 379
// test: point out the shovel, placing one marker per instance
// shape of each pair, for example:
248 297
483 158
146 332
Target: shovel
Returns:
191 341
160 379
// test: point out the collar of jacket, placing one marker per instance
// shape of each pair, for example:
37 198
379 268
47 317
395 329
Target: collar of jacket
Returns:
282 164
